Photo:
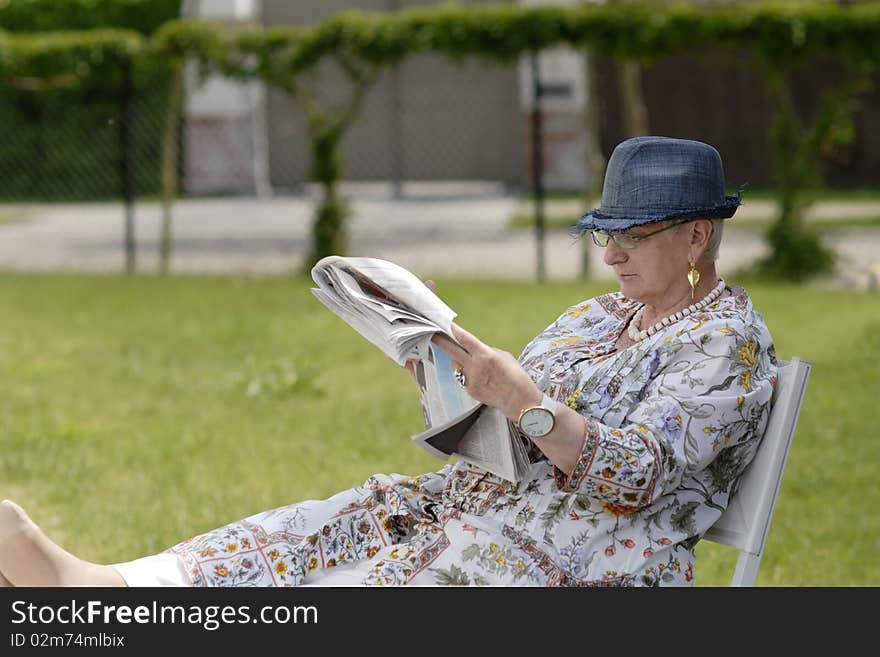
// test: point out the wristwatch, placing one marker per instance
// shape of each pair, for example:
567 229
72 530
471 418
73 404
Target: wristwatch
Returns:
538 421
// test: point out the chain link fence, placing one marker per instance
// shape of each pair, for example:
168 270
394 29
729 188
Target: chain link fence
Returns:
425 120
78 143
428 120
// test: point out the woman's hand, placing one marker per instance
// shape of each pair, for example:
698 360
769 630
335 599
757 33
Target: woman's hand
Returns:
492 376
496 378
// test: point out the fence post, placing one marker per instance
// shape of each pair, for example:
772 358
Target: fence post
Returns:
538 164
126 164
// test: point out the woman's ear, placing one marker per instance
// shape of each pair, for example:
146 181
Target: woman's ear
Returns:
701 232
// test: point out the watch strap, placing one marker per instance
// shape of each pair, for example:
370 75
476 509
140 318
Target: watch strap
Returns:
548 404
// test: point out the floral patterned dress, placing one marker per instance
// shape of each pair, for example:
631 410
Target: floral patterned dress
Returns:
669 424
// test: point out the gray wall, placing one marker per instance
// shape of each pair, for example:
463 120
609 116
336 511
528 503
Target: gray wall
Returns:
431 119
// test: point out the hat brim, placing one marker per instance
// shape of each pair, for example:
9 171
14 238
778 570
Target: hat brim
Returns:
598 220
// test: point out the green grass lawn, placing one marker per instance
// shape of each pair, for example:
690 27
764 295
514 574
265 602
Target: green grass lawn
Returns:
139 411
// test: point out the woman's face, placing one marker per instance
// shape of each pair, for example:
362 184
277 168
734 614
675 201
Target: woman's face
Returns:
655 272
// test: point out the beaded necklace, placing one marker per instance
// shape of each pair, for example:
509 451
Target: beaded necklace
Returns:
636 335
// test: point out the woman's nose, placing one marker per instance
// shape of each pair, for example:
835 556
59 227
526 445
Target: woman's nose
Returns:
613 254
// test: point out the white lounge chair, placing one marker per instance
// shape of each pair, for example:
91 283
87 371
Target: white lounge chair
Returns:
746 521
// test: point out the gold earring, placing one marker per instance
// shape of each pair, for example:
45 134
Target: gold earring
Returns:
693 278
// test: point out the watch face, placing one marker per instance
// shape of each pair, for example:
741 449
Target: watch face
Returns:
537 422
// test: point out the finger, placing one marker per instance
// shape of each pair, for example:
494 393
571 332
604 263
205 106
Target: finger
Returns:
410 366
467 340
455 351
431 285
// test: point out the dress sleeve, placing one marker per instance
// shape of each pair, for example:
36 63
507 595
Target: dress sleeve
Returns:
710 391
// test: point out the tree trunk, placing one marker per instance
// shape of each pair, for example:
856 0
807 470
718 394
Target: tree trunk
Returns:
635 111
328 232
796 252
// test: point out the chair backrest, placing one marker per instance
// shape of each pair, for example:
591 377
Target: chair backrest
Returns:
746 521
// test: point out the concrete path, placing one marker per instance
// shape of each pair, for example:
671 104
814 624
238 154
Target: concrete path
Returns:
433 234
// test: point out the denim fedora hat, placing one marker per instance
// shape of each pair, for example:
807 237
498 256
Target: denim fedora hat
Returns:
651 179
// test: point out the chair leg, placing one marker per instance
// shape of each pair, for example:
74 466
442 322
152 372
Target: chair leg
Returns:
746 569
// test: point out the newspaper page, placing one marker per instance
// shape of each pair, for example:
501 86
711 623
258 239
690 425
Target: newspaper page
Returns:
398 313
442 398
384 302
459 426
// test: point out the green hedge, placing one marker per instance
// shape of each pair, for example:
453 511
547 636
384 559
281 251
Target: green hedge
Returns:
60 110
60 107
143 16
783 34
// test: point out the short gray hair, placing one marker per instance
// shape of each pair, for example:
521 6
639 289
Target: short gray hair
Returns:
714 245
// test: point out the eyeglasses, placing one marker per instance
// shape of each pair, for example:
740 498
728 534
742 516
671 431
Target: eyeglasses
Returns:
625 240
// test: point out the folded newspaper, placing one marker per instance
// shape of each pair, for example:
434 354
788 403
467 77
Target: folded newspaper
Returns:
398 313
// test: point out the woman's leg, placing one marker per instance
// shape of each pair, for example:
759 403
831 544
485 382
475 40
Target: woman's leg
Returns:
4 583
29 558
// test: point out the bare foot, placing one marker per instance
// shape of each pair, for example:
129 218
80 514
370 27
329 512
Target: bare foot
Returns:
29 558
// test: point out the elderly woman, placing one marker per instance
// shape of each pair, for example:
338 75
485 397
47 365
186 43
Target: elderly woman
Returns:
640 407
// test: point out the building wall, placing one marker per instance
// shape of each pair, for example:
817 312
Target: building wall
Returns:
430 119
222 146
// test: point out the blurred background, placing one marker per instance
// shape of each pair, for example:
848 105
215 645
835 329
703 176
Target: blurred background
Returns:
107 102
